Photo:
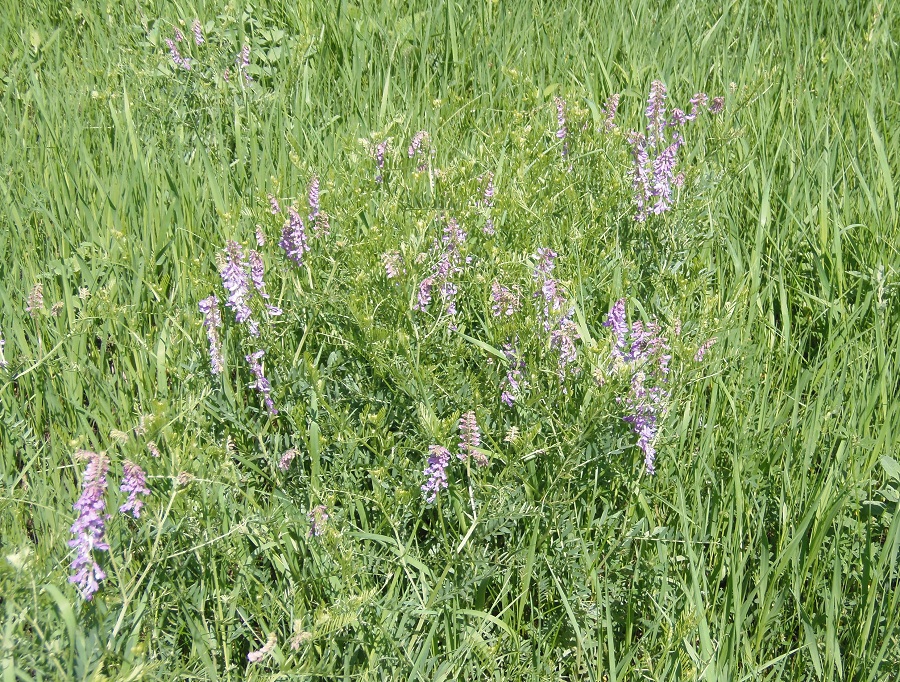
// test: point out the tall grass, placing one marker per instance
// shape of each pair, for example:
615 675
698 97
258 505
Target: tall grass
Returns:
766 545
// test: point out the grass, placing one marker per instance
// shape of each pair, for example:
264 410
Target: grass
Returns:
764 548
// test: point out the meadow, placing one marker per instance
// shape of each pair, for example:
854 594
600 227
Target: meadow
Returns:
438 340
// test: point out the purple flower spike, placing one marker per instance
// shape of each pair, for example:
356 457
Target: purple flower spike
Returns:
90 525
197 30
616 321
177 59
134 483
257 271
212 320
656 113
318 517
424 297
378 152
717 105
393 263
546 263
179 36
609 111
314 197
435 472
274 208
470 439
260 383
563 340
505 301
704 349
698 103
293 237
561 130
243 61
234 279
641 174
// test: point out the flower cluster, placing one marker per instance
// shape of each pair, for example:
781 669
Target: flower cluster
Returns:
260 383
236 283
435 472
561 130
134 483
644 352
35 300
285 462
293 237
265 650
548 294
488 202
393 264
197 30
655 153
317 217
243 62
378 151
212 320
417 150
515 382
90 526
701 351
448 265
318 517
470 439
609 112
177 59
505 301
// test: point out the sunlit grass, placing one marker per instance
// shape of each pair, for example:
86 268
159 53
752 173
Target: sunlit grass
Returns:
766 545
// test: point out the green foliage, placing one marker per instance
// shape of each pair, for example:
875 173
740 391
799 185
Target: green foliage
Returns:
766 545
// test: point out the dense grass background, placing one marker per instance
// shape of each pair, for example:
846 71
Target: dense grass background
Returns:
766 546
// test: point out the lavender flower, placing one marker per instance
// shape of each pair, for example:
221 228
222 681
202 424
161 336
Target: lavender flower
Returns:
698 103
392 264
274 208
489 191
644 405
470 439
424 296
678 118
514 383
378 152
656 114
641 174
234 279
321 225
134 483
212 320
609 111
717 105
260 383
678 180
35 300
563 340
488 228
561 130
243 62
644 350
257 271
198 32
89 527
663 170
260 236
704 349
318 517
153 449
435 472
616 321
265 650
314 197
285 462
415 148
179 36
177 59
505 301
293 237
546 262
